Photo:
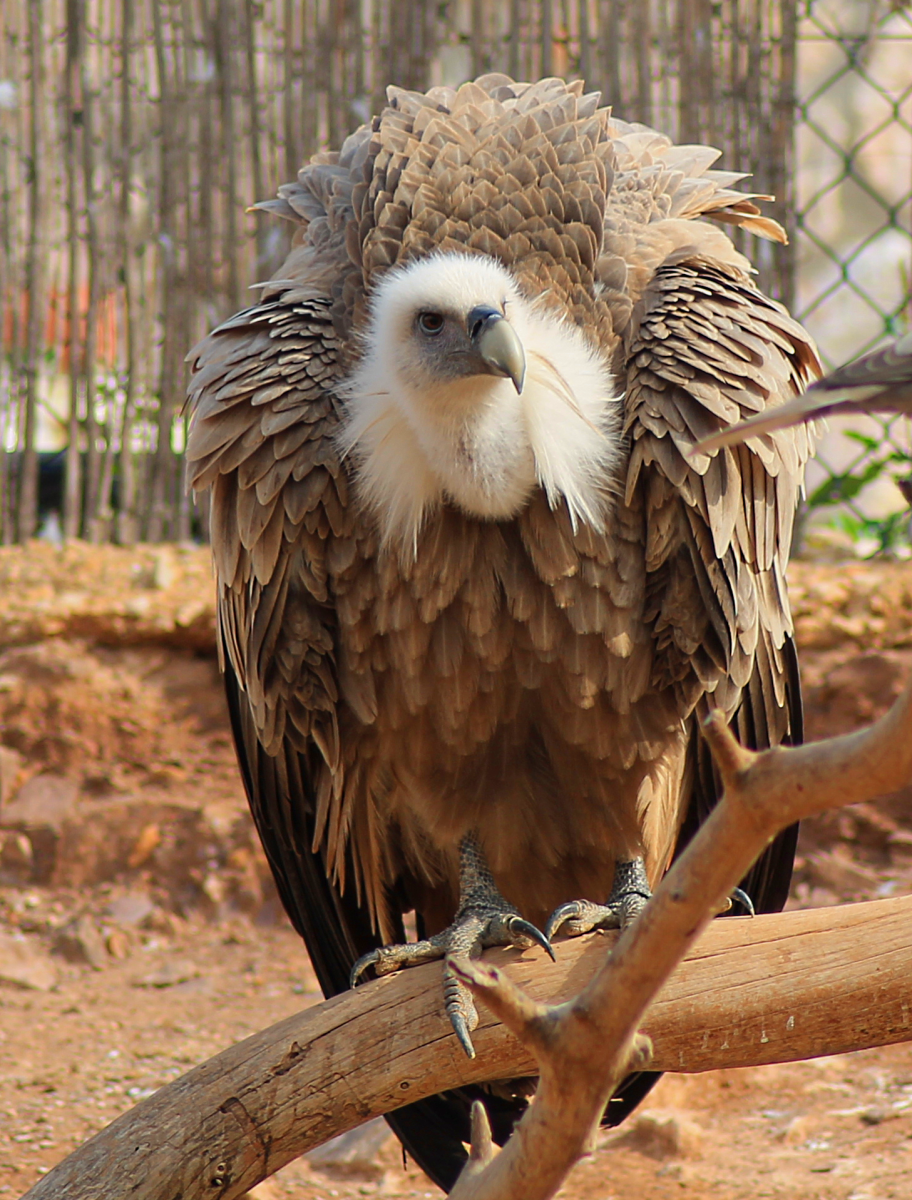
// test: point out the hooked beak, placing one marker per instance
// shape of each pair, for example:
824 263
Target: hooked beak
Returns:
497 344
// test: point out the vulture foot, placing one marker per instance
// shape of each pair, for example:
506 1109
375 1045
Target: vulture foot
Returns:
629 894
484 919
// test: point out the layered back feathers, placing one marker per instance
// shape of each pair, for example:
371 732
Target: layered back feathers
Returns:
537 176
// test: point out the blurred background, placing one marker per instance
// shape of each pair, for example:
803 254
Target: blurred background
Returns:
135 133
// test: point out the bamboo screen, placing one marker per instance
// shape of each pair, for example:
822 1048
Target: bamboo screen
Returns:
134 133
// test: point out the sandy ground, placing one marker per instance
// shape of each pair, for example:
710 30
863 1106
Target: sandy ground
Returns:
139 932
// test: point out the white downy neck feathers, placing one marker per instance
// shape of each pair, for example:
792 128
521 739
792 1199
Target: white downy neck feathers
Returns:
424 427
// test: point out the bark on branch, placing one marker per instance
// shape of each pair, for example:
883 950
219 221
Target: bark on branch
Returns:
771 989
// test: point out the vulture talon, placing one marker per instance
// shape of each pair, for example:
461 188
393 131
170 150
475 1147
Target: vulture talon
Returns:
582 916
629 893
365 961
387 959
744 900
460 1007
521 930
462 1032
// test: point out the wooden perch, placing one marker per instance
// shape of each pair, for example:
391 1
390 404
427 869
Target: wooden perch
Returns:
769 989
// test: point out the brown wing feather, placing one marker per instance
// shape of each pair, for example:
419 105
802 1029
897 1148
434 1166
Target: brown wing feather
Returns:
737 508
271 494
877 382
720 527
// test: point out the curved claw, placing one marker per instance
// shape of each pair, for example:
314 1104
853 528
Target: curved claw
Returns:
459 1005
566 912
521 928
744 900
461 1029
366 960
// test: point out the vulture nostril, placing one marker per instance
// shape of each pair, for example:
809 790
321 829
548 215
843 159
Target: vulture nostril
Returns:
480 318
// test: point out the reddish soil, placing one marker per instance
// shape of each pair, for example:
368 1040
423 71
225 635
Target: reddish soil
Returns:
140 934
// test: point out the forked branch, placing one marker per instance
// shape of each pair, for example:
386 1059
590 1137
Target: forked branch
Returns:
584 1047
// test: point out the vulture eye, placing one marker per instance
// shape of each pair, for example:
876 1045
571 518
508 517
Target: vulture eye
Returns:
430 323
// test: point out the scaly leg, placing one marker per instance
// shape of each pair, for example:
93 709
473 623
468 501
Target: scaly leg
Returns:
484 918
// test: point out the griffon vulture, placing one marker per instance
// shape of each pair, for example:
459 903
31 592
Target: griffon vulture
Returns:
473 595
879 382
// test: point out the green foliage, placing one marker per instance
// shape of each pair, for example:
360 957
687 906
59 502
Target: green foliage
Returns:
846 485
890 532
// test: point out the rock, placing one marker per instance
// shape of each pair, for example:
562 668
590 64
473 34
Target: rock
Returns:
123 833
82 942
680 1172
130 909
213 866
663 1134
161 921
39 810
171 973
25 964
353 1155
798 1130
145 846
45 800
877 1114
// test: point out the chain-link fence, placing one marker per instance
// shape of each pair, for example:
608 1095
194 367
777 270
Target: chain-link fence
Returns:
854 248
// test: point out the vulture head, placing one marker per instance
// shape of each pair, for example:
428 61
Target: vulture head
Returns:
470 392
